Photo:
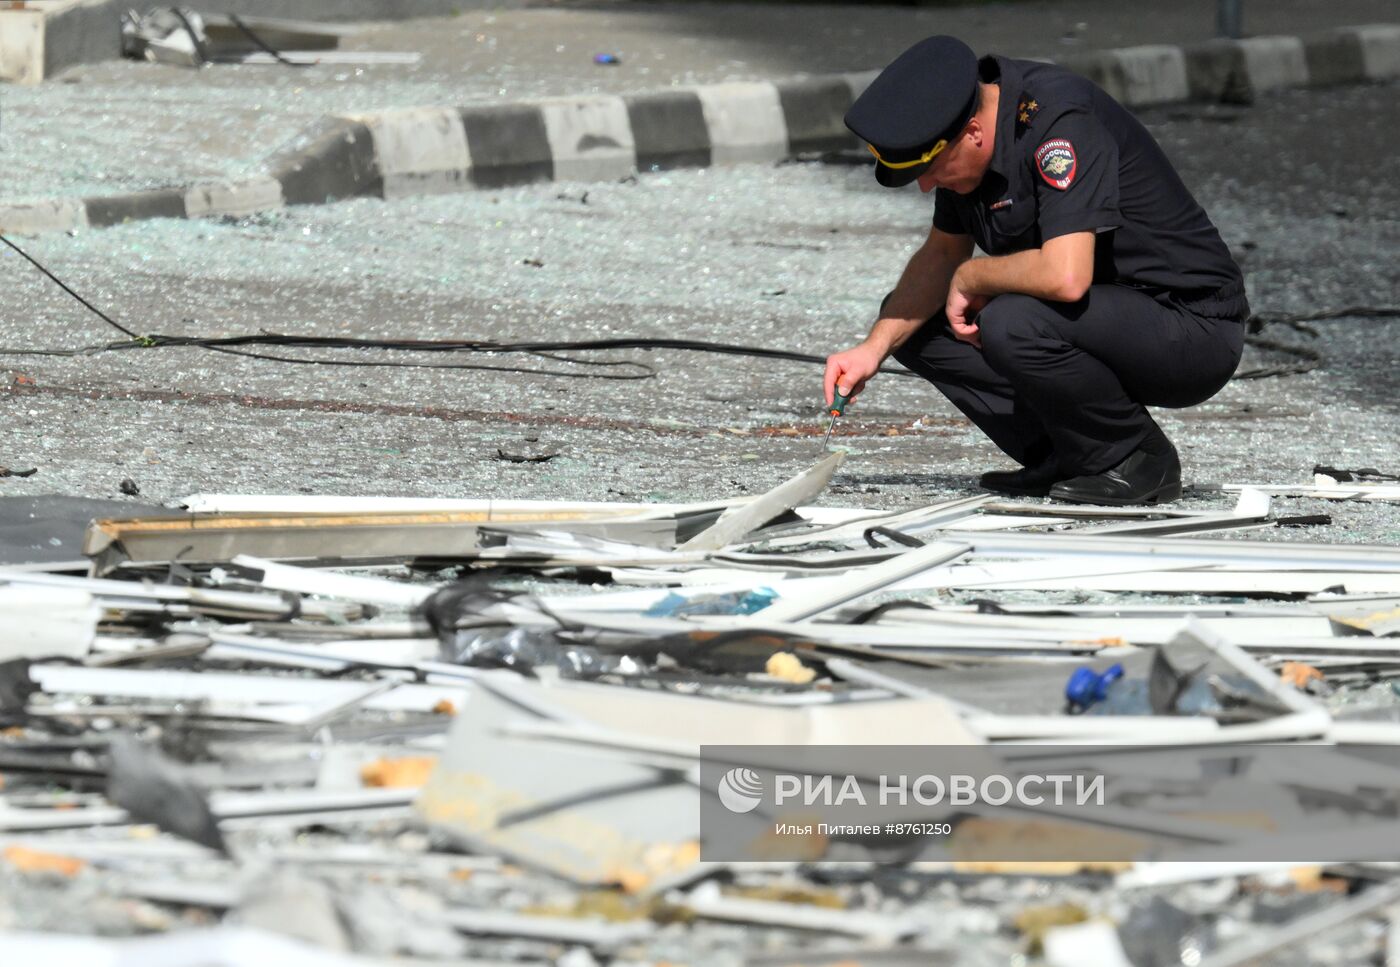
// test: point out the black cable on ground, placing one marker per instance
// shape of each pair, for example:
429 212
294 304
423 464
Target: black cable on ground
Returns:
201 53
641 370
1308 359
62 285
267 48
476 346
1366 312
865 617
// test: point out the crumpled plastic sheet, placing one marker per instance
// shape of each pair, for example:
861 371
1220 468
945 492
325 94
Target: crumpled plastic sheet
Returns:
736 602
526 649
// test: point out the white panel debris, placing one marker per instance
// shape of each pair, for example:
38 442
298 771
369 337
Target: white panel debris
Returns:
490 727
1094 942
47 622
706 900
223 947
740 521
285 577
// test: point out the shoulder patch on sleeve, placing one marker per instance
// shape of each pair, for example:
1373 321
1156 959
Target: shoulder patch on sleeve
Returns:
1056 162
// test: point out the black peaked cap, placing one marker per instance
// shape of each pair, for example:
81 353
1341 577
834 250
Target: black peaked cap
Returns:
926 94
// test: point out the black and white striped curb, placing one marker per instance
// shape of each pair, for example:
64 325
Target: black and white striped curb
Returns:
392 154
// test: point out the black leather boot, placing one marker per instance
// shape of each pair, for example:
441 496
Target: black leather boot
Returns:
1032 481
1151 474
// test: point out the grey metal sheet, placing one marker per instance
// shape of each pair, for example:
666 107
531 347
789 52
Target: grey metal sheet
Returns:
42 530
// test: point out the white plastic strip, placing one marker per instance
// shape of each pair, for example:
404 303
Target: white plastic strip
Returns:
347 587
227 688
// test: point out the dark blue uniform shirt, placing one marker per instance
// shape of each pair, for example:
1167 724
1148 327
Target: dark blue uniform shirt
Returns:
1069 158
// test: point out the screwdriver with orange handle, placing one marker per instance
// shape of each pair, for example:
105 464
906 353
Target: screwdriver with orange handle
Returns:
838 406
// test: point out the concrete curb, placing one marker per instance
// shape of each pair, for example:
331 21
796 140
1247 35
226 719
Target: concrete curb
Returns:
393 154
35 44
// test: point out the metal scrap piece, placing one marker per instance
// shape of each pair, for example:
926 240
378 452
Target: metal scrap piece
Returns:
154 789
739 521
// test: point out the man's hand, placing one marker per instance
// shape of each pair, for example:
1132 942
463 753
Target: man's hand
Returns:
851 369
962 308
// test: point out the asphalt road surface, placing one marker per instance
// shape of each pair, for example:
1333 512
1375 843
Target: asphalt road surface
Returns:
1304 187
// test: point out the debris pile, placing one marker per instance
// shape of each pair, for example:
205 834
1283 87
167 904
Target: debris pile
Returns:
172 35
326 728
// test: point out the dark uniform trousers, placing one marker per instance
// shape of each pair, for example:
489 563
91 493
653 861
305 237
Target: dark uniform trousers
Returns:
1074 378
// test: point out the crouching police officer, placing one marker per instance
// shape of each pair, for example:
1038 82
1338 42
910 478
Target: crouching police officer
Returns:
1107 288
